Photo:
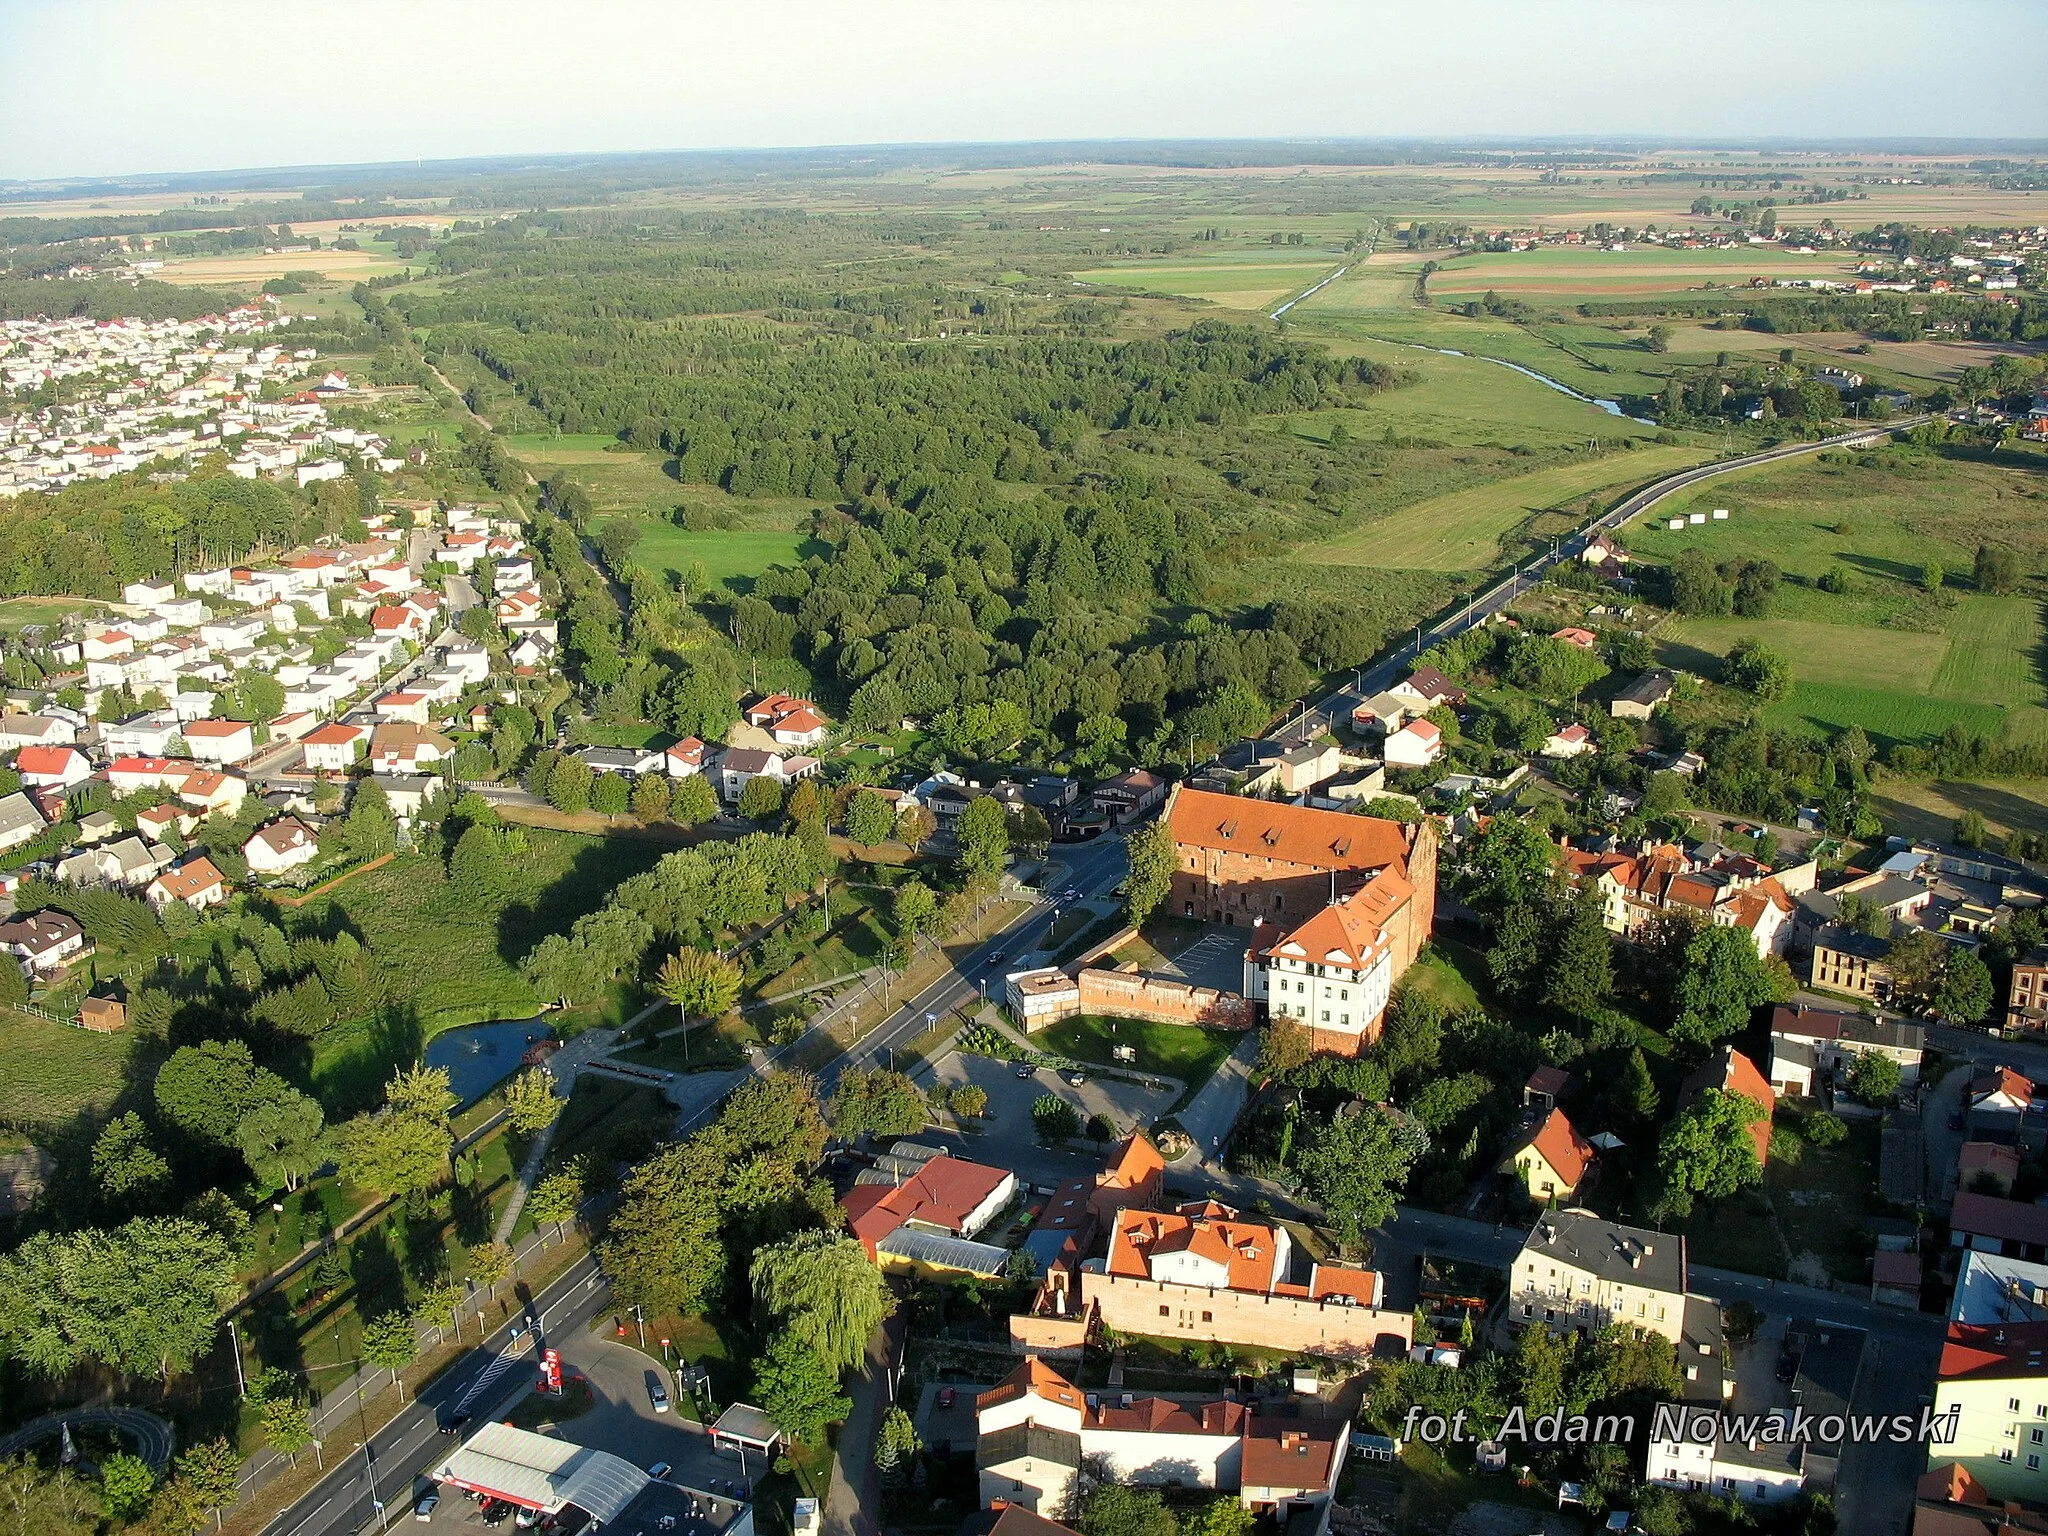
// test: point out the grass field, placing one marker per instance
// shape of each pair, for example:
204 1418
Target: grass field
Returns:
1902 685
1928 809
17 611
55 1072
1553 273
460 960
1236 281
616 480
730 556
1463 531
1187 1052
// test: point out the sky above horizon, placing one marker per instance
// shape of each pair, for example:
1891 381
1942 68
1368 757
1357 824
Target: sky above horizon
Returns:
114 87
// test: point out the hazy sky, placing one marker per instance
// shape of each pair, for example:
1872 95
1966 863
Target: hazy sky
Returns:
100 87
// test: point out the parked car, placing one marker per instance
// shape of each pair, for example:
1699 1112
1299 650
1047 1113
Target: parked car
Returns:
424 1510
1025 1069
657 1394
496 1512
660 1471
1077 1078
945 1397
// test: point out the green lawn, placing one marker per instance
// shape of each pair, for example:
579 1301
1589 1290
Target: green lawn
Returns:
1186 1051
56 1072
458 961
17 611
730 556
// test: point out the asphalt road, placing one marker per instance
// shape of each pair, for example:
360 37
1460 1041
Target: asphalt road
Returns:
341 1503
1383 674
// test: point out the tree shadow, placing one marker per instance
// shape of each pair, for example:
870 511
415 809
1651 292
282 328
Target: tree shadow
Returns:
590 878
426 1249
272 1331
375 1268
1897 570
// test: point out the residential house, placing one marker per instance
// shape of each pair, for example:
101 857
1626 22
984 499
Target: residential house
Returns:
1997 1102
1578 1272
146 735
52 767
1416 745
408 793
1546 1088
1584 639
97 827
1035 1431
129 863
1289 1469
738 765
686 757
44 942
1202 1273
403 622
1851 961
160 821
803 727
284 844
220 741
1994 1378
1835 1039
20 821
334 747
1384 713
2026 1002
1992 1289
1550 1159
406 707
18 731
407 749
1569 741
1639 700
196 883
209 791
1729 1071
1992 1224
1128 796
1429 688
629 761
922 1212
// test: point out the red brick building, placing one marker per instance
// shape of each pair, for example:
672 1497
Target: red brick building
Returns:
1255 862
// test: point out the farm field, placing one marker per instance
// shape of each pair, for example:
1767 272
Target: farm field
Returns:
1384 280
254 266
1463 531
1236 281
1578 272
616 479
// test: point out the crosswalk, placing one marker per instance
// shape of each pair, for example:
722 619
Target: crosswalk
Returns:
512 1356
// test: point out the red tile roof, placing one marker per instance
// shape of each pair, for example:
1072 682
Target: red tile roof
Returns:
1290 1453
1567 1152
1034 1378
189 880
1994 1350
1732 1072
38 758
1246 1249
943 1193
1293 834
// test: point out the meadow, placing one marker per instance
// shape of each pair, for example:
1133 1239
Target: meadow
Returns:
1880 654
1467 530
731 557
1236 281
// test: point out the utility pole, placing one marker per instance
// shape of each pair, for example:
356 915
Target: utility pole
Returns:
235 1344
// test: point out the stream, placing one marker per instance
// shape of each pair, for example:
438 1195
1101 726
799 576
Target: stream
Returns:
1611 407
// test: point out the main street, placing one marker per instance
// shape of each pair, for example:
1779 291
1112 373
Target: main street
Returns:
398 1455
1337 707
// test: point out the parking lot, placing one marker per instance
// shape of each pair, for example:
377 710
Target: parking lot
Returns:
1010 1097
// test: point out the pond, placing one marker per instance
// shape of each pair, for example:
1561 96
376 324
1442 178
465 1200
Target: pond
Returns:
480 1056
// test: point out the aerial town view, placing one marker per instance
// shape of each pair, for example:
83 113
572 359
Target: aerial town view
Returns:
840 769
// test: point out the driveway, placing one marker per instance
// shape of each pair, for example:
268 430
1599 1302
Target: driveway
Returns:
624 1421
1942 1104
1215 1109
1010 1097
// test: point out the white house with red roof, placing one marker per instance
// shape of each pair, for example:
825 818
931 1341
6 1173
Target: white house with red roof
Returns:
333 748
685 758
52 767
793 722
1332 975
406 623
1416 745
1568 741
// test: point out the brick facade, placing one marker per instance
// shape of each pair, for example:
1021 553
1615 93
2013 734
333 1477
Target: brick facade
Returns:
1131 995
1329 1328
